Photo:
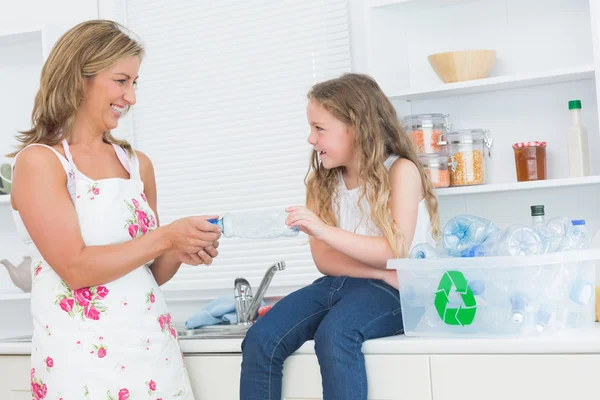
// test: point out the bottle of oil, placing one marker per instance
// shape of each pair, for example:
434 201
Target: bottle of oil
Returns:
577 143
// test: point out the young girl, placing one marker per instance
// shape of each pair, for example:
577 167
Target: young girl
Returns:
368 200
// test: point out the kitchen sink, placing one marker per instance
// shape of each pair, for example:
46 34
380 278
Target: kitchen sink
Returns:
215 332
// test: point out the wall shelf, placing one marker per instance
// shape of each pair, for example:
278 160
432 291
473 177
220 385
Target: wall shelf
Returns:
497 83
515 186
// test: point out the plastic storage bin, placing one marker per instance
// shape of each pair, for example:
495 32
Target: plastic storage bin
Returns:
497 296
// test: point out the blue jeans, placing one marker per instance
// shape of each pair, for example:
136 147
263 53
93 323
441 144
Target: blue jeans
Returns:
339 313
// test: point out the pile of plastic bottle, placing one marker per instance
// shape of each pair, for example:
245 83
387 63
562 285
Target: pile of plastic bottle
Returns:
471 236
510 298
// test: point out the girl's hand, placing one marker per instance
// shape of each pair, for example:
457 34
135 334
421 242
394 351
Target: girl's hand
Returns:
307 221
391 278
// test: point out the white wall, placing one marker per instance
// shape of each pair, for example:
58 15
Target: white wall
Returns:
18 85
57 15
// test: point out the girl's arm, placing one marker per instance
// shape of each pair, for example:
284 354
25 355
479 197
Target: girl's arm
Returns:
333 263
372 251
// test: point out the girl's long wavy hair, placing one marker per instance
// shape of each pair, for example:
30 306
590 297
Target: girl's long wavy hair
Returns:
82 52
358 101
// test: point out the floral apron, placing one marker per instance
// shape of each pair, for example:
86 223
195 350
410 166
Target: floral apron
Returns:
109 342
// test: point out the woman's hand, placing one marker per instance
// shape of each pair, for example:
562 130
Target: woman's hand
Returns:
203 257
307 221
207 255
195 237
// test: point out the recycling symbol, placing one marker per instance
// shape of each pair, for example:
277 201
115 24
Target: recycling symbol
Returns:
462 316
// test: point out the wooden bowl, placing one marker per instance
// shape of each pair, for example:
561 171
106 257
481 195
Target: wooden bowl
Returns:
458 66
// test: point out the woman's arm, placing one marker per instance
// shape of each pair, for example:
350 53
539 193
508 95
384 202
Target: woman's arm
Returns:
45 206
165 266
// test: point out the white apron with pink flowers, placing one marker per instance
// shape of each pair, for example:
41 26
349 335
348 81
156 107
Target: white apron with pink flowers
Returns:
110 342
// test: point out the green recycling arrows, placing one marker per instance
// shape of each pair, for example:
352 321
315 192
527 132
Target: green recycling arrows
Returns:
455 316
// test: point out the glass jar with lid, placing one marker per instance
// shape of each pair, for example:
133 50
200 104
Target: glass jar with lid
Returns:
468 149
530 160
424 131
437 168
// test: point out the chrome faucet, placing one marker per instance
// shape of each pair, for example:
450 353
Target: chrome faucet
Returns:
246 305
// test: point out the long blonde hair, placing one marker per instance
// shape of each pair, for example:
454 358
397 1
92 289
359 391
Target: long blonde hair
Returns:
83 51
358 101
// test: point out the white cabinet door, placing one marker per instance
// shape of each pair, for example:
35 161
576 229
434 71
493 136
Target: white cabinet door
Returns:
14 378
515 377
215 376
390 377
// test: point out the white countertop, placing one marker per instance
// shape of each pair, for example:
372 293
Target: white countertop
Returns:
587 342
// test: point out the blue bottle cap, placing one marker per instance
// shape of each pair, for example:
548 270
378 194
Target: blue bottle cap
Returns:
578 222
214 221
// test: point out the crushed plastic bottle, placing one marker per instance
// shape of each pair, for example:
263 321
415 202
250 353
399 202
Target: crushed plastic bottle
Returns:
576 237
485 249
424 250
520 304
543 317
553 233
581 292
464 232
518 240
255 225
554 293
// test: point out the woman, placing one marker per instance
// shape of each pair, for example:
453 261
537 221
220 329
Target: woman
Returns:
85 203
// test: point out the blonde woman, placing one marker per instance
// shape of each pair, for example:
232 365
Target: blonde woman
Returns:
85 203
369 200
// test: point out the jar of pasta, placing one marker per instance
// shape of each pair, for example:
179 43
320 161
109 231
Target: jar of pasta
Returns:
468 150
436 168
424 131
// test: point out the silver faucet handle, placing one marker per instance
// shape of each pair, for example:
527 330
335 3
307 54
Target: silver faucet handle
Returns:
280 265
242 288
243 298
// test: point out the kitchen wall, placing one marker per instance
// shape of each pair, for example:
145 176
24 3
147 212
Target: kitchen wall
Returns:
504 208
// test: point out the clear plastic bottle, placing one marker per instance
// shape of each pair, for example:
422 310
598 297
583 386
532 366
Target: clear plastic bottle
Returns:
537 215
424 250
557 229
464 232
540 227
485 249
576 237
520 304
255 225
518 240
577 143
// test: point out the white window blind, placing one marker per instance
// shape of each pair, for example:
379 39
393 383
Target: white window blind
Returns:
222 114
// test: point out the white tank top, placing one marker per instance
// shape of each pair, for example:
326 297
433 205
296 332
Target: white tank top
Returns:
350 218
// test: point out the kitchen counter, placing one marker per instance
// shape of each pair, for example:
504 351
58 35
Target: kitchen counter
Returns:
583 342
